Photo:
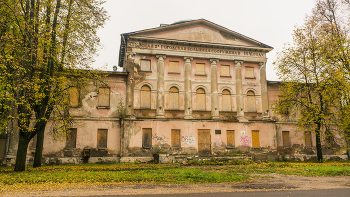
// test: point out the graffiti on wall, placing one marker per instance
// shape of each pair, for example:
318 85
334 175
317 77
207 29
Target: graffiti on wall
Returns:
160 139
246 140
188 140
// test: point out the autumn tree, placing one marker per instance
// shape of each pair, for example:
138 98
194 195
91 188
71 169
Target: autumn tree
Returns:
46 46
315 75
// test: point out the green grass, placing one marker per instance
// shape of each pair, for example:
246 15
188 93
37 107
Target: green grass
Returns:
198 172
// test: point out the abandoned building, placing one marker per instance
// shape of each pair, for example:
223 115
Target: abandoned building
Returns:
190 88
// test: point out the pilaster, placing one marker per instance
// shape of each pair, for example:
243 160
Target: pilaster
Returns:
214 89
160 86
130 84
188 89
264 95
239 91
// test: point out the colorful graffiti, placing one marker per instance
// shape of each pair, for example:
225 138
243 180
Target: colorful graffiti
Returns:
246 140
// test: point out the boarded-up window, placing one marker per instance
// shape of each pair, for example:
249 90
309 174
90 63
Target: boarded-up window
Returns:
200 69
230 138
73 96
175 138
204 141
225 70
285 136
174 67
251 101
102 138
145 65
103 97
249 72
145 97
226 101
308 138
255 139
200 99
174 98
147 138
71 138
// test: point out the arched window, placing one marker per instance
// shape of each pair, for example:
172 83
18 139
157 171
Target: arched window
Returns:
174 98
226 101
145 97
251 101
200 99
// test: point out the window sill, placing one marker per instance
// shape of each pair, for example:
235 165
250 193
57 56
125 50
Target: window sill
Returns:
69 149
200 75
225 76
145 71
102 107
250 77
144 108
177 73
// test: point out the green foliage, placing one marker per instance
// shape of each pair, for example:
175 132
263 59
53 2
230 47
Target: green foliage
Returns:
315 74
121 109
45 47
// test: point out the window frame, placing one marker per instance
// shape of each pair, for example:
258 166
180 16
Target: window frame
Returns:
150 65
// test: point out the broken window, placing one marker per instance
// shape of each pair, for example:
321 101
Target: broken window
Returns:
145 65
175 138
102 138
230 138
200 69
174 67
71 138
255 139
200 99
285 136
174 98
146 138
145 97
225 70
226 101
249 72
251 101
74 97
308 138
103 97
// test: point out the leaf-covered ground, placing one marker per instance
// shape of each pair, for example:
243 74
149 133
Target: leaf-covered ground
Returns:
198 172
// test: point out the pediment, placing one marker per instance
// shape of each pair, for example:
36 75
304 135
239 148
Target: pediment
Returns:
202 31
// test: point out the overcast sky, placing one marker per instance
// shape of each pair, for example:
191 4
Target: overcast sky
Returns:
269 21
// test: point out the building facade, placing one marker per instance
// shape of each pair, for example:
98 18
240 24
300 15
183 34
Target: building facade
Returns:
187 88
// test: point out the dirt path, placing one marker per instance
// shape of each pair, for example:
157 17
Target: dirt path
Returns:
276 182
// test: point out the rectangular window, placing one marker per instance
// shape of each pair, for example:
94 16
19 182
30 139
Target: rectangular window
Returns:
102 138
308 138
71 138
285 136
174 67
200 69
103 97
255 139
147 138
145 65
225 70
230 138
249 72
175 138
74 97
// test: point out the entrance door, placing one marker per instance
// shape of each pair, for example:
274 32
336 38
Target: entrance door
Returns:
204 141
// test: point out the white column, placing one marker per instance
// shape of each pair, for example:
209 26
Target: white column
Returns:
188 88
160 86
214 89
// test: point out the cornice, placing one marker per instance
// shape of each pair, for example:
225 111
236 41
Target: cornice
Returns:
199 44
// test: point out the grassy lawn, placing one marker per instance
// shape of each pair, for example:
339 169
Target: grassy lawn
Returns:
197 172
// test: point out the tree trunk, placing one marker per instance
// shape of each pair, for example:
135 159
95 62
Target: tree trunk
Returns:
318 143
39 147
22 152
